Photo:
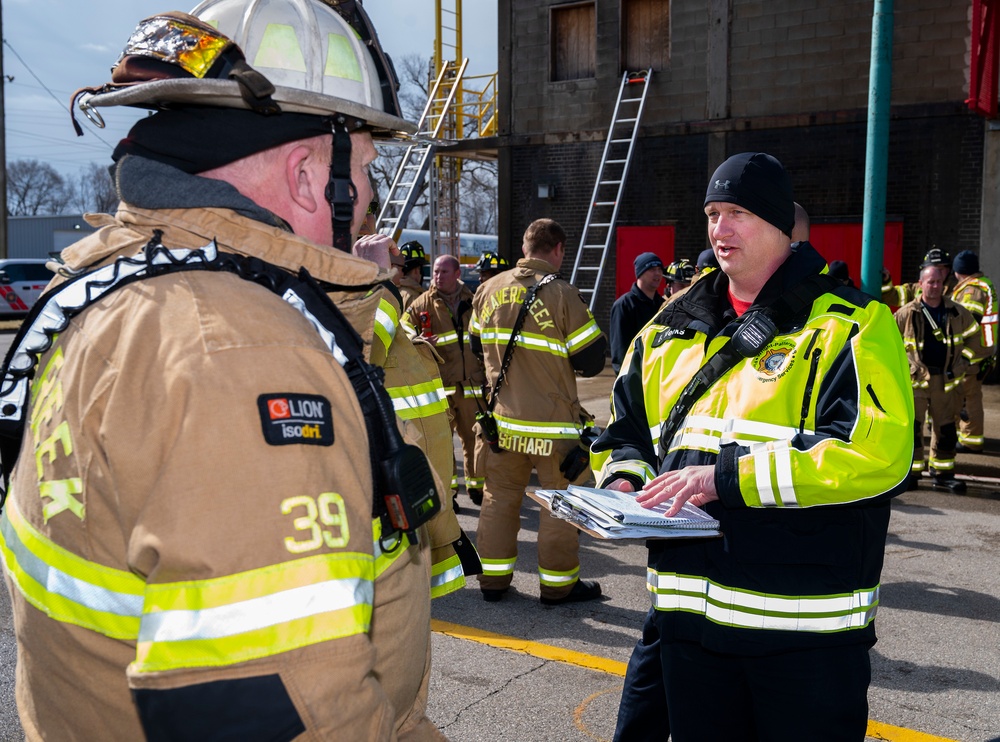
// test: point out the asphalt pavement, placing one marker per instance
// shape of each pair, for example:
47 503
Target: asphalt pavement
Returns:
517 670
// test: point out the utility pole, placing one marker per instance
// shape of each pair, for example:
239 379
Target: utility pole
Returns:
877 154
3 150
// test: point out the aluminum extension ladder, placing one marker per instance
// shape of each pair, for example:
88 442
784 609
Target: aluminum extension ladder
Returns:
588 268
405 188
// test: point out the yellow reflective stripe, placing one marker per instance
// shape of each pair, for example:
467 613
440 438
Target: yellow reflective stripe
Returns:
447 577
707 433
528 340
341 59
447 338
583 336
635 467
279 48
538 429
419 400
552 578
498 566
385 323
754 610
257 613
66 587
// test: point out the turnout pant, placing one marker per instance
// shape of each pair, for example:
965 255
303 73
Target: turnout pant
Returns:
820 695
972 430
463 408
507 476
943 407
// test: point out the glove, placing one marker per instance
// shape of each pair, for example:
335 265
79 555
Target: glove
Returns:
575 463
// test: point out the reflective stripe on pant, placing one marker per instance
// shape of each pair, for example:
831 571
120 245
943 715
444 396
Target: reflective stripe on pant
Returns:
507 476
942 408
463 418
971 431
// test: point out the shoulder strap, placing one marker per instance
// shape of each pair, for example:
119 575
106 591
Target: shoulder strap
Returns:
753 331
508 353
392 460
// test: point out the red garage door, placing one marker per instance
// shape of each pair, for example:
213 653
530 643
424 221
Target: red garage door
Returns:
632 241
843 242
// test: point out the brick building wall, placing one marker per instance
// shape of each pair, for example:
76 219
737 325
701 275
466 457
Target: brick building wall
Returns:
936 200
790 79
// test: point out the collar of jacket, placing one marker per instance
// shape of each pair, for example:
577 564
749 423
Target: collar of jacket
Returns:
705 305
532 266
641 295
233 230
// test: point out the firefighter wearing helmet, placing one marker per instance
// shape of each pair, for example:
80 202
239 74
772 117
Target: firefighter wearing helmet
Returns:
489 264
219 569
412 283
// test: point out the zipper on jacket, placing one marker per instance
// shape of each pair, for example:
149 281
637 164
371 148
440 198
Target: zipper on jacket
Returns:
810 381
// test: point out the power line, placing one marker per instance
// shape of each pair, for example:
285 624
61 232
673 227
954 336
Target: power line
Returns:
45 87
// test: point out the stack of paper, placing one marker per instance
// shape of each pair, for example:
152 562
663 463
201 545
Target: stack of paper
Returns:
612 514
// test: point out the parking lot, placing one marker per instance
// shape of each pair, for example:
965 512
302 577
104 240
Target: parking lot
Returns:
516 670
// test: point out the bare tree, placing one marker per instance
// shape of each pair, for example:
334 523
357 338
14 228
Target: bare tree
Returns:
478 180
95 190
35 188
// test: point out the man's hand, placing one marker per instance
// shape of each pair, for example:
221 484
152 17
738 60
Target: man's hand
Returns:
376 248
694 484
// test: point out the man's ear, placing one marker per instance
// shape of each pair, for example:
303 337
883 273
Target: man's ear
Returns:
302 178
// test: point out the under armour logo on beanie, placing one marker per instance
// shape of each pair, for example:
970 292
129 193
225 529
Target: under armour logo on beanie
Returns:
757 182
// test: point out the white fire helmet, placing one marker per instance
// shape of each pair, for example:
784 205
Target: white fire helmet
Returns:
321 56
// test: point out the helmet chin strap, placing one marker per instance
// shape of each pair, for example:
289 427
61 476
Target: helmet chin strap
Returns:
340 190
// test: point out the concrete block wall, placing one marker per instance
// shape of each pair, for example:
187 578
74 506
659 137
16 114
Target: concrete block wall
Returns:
801 56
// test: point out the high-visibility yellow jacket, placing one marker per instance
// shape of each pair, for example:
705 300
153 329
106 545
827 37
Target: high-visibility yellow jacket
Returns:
960 336
978 294
809 440
538 401
158 542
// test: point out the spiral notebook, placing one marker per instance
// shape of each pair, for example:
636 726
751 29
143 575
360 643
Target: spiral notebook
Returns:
608 514
623 509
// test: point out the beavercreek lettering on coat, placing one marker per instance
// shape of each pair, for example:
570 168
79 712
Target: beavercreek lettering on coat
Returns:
515 295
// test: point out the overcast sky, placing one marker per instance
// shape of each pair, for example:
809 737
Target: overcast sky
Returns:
69 44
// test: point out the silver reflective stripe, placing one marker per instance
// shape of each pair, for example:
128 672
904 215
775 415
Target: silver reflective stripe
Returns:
449 575
71 588
256 613
750 610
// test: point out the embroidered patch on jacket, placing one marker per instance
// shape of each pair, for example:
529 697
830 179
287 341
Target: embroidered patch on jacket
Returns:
774 361
672 333
296 418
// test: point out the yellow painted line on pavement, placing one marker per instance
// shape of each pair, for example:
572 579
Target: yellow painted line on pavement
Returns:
542 651
876 729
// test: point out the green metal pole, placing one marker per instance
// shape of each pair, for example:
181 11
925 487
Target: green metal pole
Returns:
877 152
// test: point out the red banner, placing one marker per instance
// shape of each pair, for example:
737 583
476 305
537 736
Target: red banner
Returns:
985 57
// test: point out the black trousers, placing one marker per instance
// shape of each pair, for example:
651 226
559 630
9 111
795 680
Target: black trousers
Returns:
642 712
817 694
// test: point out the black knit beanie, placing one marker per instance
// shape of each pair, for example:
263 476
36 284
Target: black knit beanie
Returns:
757 182
966 263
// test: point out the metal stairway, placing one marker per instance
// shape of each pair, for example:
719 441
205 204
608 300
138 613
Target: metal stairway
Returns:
588 268
405 188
